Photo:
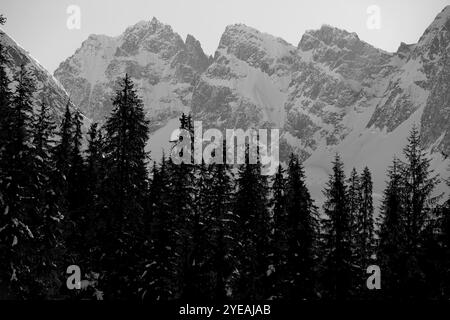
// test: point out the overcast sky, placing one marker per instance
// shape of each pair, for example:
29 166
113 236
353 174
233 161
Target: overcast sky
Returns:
40 26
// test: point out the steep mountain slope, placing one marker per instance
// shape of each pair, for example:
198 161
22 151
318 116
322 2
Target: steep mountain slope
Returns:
48 88
164 67
434 52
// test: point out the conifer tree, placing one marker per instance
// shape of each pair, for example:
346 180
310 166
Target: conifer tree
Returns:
392 242
43 131
61 154
184 209
419 184
181 206
158 279
365 225
354 196
95 173
76 175
280 240
48 237
124 190
409 223
222 230
77 212
445 243
302 232
22 113
20 190
5 103
5 140
63 149
360 204
433 261
94 163
199 277
338 260
254 236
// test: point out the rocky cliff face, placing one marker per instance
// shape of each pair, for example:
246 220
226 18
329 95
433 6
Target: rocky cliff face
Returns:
336 76
433 50
164 67
420 84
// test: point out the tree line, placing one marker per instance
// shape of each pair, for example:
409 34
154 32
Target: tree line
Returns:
199 232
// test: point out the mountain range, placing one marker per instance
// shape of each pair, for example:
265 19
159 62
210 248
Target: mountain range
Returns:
332 92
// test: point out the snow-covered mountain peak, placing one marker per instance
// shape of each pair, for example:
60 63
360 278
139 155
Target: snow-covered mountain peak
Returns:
152 36
152 25
164 67
240 28
237 34
329 35
258 49
332 38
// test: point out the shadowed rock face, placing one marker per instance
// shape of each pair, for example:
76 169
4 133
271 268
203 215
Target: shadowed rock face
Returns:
435 49
435 122
317 93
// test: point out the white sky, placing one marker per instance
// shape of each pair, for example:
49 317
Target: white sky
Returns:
40 25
